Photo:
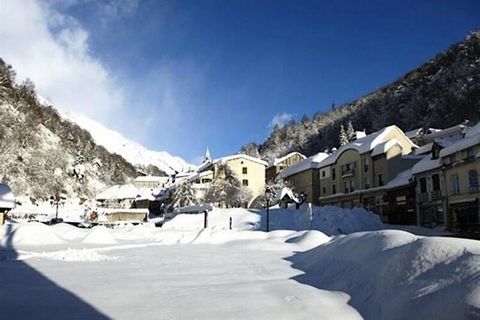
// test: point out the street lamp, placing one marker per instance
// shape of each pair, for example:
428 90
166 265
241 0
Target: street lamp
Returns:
268 197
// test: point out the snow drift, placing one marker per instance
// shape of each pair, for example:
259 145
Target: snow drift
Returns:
396 275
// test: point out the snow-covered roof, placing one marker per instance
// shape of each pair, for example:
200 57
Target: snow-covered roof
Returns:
385 146
286 192
7 199
305 164
366 144
285 157
473 130
461 144
200 174
231 157
426 148
151 179
426 164
413 133
127 191
443 133
243 156
402 179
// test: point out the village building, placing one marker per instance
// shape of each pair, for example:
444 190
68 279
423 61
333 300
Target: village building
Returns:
359 173
151 182
250 172
460 163
281 163
303 177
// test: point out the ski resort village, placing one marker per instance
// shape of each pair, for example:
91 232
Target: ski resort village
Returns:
364 209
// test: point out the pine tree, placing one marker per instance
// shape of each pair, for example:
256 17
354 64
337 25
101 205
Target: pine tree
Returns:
350 131
343 139
183 196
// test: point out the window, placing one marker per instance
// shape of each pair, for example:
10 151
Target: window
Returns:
352 185
435 182
365 164
470 153
324 190
423 185
367 183
323 173
333 173
452 158
244 170
334 189
245 182
454 185
473 180
345 187
380 180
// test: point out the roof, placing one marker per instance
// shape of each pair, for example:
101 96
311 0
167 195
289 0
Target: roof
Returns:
435 134
385 146
285 157
282 193
200 174
462 144
413 133
365 144
426 164
151 179
305 164
7 199
243 156
127 191
231 157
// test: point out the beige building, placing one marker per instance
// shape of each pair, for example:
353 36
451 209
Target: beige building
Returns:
461 167
151 181
281 163
303 177
250 172
370 162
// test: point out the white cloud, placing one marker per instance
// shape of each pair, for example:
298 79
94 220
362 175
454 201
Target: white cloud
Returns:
280 119
52 49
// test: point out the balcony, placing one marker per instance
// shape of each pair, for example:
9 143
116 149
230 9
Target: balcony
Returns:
436 195
423 197
348 173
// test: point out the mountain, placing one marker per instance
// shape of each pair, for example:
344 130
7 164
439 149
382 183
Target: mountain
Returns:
43 153
131 151
440 93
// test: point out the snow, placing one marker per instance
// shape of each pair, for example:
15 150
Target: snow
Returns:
231 157
285 157
125 191
426 164
385 146
467 142
396 275
182 271
308 163
131 151
7 199
366 144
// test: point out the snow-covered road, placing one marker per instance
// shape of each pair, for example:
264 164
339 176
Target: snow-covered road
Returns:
236 280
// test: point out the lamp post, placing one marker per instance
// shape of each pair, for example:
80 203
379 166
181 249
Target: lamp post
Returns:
268 197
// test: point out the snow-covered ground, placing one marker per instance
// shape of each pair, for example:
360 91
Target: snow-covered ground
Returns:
182 271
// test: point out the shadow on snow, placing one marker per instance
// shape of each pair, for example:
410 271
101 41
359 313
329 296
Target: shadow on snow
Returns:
27 294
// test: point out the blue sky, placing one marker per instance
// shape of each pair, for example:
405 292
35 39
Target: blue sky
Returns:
198 73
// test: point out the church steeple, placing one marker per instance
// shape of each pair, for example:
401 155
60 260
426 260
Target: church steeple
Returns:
207 156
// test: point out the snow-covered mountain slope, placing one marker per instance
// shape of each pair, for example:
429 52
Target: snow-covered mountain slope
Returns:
131 151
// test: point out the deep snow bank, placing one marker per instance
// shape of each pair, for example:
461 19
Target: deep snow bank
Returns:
396 275
329 220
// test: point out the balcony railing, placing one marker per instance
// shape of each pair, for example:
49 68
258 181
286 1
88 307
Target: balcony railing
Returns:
436 195
348 173
423 197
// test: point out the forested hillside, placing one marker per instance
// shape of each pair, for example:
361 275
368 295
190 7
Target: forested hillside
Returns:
442 92
42 154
